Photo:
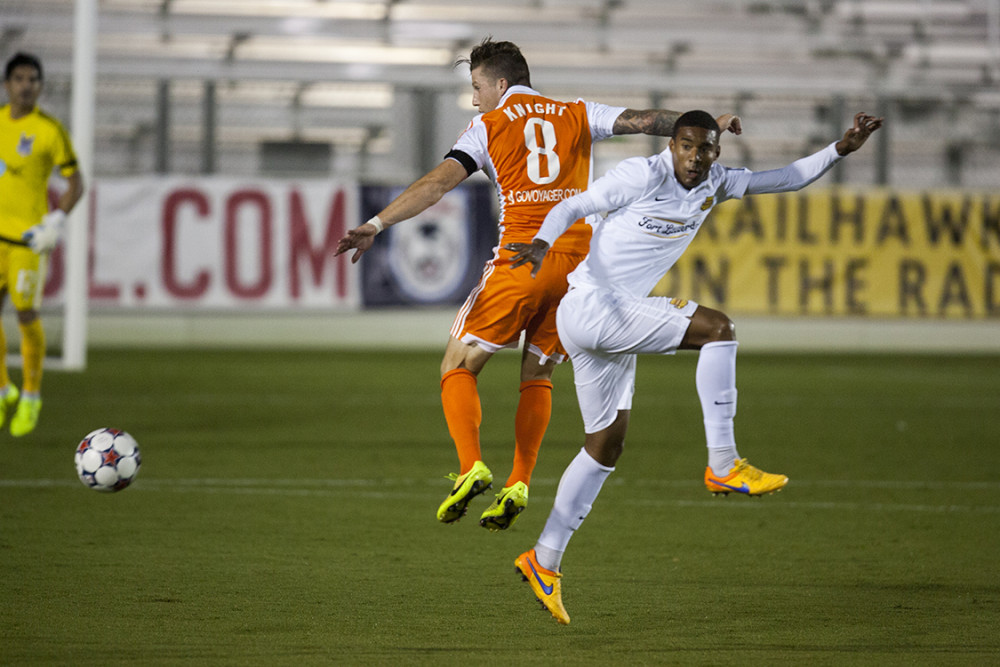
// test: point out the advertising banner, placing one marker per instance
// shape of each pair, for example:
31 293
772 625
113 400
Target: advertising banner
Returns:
217 244
435 258
230 244
837 252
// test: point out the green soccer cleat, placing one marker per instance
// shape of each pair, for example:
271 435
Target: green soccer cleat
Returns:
7 403
467 487
26 417
504 511
746 479
544 583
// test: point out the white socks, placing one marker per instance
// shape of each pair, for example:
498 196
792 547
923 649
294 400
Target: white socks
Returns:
581 483
715 379
578 489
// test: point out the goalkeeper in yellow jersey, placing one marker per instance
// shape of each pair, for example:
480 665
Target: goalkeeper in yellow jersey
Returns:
32 145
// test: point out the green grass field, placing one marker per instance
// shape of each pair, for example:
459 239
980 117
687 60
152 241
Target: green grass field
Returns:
284 514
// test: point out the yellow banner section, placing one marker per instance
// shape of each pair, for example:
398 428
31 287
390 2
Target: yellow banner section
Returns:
839 252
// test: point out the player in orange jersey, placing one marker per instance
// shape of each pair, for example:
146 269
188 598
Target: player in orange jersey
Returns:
537 151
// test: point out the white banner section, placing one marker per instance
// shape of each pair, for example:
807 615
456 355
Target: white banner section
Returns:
222 244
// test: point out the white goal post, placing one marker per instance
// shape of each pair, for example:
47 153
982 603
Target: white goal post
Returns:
74 348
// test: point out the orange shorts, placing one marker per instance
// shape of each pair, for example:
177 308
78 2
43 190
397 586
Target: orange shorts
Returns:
508 301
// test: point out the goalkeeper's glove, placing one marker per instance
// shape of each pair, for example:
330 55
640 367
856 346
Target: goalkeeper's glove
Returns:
44 236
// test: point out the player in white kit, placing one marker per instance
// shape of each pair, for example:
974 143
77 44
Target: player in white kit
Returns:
656 206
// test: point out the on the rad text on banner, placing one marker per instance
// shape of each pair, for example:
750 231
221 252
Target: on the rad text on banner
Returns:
839 252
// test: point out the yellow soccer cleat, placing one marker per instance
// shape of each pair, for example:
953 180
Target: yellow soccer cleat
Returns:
26 417
7 403
744 478
504 511
467 487
544 583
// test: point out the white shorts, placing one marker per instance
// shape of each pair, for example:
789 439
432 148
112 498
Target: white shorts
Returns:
603 332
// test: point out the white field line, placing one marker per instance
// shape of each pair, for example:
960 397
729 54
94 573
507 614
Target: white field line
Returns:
411 488
351 482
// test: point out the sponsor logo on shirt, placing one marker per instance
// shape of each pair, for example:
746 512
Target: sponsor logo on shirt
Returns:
24 146
538 196
667 227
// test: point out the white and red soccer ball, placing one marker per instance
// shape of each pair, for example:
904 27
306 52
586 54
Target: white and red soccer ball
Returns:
107 459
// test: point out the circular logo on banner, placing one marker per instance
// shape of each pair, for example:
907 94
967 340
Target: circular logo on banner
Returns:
429 254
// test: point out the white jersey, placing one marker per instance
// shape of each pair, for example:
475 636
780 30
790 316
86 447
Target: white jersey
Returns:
653 218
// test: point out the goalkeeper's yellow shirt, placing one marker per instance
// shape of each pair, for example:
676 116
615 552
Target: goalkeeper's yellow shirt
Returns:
30 148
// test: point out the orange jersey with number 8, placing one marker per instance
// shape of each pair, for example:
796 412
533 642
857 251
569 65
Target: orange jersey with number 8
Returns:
541 153
538 152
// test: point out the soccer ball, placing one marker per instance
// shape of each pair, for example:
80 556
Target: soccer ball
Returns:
107 459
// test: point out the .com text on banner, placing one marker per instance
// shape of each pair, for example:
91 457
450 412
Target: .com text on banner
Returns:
221 243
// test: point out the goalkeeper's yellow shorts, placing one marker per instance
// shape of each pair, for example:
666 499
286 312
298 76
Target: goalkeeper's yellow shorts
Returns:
22 275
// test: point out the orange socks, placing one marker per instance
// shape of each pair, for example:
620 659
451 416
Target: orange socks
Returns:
464 414
533 412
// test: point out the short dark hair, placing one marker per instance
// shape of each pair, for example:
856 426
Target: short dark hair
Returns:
500 60
697 118
20 59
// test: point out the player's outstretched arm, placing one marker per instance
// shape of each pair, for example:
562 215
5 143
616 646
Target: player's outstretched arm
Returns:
656 122
528 253
660 122
806 170
857 135
420 196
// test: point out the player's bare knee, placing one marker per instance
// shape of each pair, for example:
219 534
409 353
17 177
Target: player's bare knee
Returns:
470 357
533 368
720 328
537 373
605 451
728 331
708 326
606 446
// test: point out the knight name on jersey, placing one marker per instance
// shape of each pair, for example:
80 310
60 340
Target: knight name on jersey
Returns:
536 196
515 111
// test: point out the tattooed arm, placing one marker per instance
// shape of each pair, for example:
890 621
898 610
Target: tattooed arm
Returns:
660 122
649 121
